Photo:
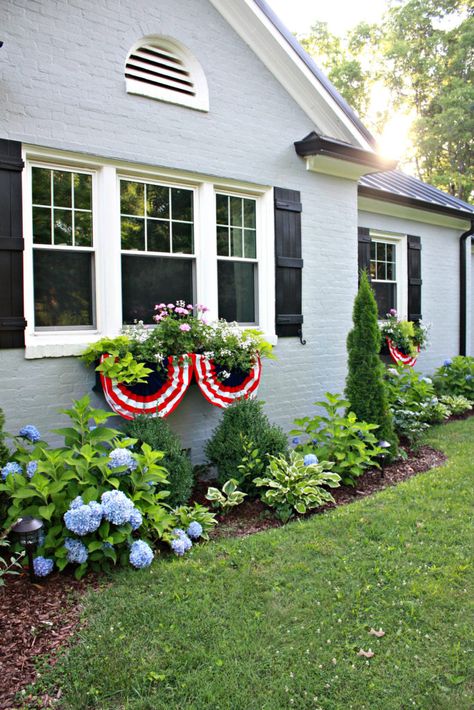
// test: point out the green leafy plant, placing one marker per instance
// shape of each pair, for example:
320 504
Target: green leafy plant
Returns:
227 448
407 336
251 465
457 404
184 515
228 498
365 386
156 432
95 464
9 564
124 369
339 437
4 452
456 377
291 485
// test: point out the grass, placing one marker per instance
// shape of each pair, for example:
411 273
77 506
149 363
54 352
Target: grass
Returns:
276 620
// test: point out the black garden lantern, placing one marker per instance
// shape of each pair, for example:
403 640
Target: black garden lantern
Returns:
27 531
385 445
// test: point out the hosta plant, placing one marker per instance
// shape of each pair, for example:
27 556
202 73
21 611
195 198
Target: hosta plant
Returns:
351 445
457 404
228 497
298 484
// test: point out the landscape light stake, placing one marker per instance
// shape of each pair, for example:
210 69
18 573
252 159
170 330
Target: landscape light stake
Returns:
28 530
385 445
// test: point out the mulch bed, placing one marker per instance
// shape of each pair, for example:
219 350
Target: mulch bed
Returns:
37 619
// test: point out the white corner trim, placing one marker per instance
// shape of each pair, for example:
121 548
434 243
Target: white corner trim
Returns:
248 20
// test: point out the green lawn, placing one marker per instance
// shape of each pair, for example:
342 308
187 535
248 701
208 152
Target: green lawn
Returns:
276 620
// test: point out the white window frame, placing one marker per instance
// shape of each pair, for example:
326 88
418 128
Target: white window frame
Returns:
401 266
106 175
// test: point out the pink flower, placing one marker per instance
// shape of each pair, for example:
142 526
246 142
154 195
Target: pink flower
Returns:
189 307
185 327
202 308
170 306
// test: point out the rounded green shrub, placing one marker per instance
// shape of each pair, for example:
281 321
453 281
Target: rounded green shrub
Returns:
156 432
243 422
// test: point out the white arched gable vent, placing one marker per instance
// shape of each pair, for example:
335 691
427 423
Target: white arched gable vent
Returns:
164 69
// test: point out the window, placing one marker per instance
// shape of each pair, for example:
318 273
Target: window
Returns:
387 256
63 263
155 220
164 69
237 257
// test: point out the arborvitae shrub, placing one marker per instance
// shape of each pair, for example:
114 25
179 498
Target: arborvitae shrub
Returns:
4 453
157 433
242 422
365 386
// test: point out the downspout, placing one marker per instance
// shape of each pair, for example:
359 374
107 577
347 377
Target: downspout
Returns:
463 283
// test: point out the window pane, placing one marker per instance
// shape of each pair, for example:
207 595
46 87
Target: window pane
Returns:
373 266
158 235
390 252
62 188
386 297
223 241
381 270
41 179
236 242
372 251
147 280
236 285
381 251
82 191
82 229
222 209
236 211
182 204
62 227
391 271
250 214
133 233
250 244
158 201
132 197
182 238
63 288
41 225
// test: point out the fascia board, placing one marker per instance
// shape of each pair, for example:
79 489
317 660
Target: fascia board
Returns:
390 209
252 25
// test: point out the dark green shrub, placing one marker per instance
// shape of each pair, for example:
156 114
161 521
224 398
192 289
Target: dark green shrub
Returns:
456 377
365 386
227 447
157 433
4 453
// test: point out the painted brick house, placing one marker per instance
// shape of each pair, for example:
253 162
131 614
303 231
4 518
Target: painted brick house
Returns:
190 149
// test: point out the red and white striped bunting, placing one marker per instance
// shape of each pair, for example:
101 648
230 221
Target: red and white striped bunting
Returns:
398 356
218 393
159 403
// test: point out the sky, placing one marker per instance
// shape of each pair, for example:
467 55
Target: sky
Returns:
341 15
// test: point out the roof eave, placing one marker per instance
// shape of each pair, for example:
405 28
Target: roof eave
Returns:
406 201
314 145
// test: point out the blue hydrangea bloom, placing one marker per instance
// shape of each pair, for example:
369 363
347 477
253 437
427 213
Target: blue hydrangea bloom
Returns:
107 546
117 507
141 554
76 550
122 457
84 519
448 362
315 442
468 378
42 566
428 380
178 547
77 502
30 432
31 467
310 459
184 538
295 440
10 469
135 519
195 530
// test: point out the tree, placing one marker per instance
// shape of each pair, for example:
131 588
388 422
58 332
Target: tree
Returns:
365 386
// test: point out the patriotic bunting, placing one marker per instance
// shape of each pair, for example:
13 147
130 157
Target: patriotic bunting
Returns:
158 397
398 356
222 393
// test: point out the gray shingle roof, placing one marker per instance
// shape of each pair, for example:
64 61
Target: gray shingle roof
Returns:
412 191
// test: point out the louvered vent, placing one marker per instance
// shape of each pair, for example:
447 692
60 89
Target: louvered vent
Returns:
165 71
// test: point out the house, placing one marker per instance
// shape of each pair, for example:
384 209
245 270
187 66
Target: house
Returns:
167 149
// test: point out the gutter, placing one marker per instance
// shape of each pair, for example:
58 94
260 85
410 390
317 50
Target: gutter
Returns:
463 289
314 144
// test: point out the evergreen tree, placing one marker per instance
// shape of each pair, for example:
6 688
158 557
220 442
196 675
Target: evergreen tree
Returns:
365 387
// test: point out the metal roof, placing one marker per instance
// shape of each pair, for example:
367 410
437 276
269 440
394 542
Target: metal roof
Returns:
395 186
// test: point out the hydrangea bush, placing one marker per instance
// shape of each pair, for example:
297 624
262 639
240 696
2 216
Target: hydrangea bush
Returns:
102 503
456 377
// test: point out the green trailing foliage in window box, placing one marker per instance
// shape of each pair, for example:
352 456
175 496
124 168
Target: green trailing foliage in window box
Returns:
407 336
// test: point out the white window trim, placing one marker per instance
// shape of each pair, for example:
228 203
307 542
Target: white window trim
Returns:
106 224
400 241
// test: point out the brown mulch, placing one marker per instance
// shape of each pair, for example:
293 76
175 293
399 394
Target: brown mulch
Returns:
35 620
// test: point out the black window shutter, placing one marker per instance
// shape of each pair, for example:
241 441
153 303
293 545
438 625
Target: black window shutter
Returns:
12 322
414 278
288 263
363 239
